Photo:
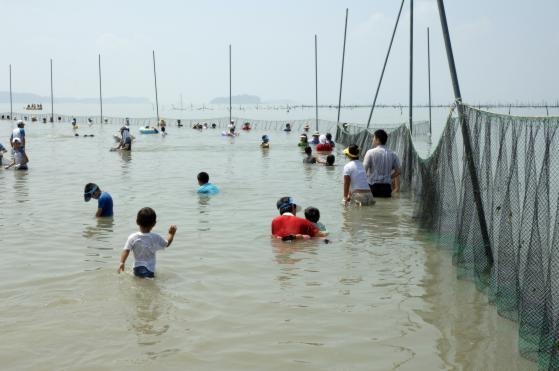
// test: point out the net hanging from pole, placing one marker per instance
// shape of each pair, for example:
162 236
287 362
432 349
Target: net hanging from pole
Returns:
517 164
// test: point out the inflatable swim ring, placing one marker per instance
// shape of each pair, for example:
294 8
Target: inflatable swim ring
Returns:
148 131
228 134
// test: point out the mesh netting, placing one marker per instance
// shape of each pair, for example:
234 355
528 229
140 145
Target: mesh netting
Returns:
220 122
517 164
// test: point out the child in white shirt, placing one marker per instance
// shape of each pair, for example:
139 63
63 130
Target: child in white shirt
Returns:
144 244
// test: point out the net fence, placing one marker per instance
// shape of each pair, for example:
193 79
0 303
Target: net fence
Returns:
517 164
218 122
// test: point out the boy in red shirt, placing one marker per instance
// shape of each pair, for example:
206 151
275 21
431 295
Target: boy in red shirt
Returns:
287 226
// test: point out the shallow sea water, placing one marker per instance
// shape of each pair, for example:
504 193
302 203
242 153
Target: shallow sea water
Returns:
380 296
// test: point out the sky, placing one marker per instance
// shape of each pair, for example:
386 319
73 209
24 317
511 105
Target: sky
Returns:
505 51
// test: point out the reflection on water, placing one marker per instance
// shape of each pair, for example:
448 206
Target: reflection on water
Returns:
20 186
225 295
149 305
126 157
265 152
204 220
294 259
465 311
101 231
99 250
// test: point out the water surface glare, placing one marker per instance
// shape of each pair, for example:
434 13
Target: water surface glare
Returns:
380 296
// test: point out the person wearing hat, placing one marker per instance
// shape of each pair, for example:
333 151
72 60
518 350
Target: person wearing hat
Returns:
18 132
104 199
382 166
306 127
303 140
288 226
265 142
315 137
20 158
356 188
125 137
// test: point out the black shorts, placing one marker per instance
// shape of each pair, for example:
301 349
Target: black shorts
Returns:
381 189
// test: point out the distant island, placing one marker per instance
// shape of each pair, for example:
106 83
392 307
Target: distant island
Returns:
30 98
237 99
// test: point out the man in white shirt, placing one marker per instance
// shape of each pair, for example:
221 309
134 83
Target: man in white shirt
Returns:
382 165
125 138
19 133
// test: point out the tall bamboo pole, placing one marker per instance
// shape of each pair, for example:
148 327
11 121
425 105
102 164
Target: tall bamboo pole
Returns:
466 137
230 99
342 74
384 65
429 78
316 81
51 95
155 80
411 68
11 107
100 90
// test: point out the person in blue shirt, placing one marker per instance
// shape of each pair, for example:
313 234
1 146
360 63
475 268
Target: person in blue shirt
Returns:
104 199
205 186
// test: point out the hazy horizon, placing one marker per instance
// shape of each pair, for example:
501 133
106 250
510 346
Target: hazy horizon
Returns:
505 51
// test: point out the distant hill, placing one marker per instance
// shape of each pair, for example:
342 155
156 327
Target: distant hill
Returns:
30 98
237 99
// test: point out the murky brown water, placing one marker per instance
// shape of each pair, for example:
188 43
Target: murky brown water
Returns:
381 296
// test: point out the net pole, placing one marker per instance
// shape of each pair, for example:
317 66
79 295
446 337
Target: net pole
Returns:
466 136
51 95
230 103
410 110
316 81
342 74
100 90
429 78
11 107
155 80
384 65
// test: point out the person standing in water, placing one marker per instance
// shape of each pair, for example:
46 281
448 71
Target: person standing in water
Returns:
356 188
104 200
18 132
144 244
20 157
125 137
382 166
205 186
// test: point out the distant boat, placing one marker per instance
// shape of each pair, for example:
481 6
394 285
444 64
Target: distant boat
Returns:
33 107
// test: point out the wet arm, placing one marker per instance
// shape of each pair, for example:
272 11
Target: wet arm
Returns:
171 234
10 165
123 257
367 163
347 181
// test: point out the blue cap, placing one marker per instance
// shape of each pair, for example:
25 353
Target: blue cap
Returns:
87 195
286 203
